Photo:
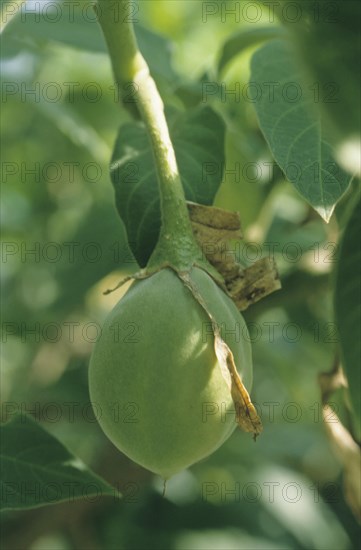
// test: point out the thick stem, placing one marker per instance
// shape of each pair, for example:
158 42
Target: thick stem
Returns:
176 244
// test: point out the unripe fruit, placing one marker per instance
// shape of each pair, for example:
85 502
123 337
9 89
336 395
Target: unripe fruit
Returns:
170 374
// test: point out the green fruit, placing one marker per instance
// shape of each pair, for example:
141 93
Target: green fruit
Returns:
169 377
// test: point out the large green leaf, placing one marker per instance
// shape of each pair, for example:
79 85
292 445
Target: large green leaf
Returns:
348 307
327 38
198 139
76 26
36 469
292 125
243 39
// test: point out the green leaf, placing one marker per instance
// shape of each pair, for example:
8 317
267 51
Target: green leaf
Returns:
348 307
244 39
198 140
292 126
191 91
36 469
77 27
157 51
28 28
327 38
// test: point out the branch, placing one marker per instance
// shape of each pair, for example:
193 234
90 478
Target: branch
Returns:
130 67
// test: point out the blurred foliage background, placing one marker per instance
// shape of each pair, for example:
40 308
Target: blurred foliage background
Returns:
64 244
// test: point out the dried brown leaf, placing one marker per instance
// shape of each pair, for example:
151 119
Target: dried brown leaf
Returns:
213 229
247 417
246 414
254 283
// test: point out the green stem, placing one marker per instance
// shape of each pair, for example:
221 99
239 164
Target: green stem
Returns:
176 245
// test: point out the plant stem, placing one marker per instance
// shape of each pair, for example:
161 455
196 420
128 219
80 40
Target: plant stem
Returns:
176 244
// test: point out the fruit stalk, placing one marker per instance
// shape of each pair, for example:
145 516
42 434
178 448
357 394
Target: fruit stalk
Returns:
176 245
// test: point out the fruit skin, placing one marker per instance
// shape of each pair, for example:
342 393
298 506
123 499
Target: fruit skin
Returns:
171 374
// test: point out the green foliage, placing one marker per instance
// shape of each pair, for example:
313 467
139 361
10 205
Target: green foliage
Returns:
44 362
241 40
79 29
292 125
328 36
348 308
36 469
